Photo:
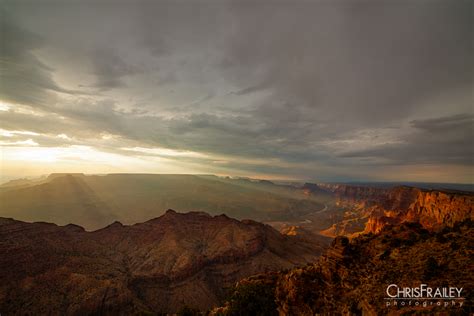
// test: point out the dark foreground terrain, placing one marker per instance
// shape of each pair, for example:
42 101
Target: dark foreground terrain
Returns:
351 278
154 267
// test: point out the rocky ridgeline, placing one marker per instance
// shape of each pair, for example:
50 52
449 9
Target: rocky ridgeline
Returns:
152 267
352 276
412 237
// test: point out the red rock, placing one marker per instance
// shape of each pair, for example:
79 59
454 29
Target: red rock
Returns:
156 266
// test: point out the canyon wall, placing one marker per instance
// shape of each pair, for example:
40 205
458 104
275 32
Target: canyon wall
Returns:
433 209
351 278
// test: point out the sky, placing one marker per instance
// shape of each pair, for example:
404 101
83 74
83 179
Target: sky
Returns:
340 90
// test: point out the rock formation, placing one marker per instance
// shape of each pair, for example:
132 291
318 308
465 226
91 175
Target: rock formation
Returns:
352 277
433 209
152 267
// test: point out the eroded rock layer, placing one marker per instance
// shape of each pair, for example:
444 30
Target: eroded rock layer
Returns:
352 277
433 209
157 266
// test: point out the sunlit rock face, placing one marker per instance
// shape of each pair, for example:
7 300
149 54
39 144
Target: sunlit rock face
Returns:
433 209
156 266
352 276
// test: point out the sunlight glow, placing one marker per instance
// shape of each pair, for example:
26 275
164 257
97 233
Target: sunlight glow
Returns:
64 136
71 154
4 106
7 133
26 160
166 152
28 142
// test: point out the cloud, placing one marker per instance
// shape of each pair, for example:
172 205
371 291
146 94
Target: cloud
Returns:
110 69
251 89
24 78
445 140
335 86
358 64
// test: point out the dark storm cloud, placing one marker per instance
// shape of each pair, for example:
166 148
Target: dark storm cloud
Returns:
110 68
251 89
23 77
444 139
325 83
358 62
447 124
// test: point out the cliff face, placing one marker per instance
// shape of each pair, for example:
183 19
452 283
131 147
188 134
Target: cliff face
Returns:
353 194
433 209
391 199
413 237
152 267
351 278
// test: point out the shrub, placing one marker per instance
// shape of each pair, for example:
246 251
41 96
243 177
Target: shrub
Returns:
454 246
395 243
253 298
431 268
188 311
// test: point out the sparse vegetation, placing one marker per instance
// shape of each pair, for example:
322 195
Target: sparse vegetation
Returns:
253 298
188 311
431 268
335 285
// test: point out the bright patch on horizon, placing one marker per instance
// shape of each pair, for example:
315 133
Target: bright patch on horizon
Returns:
71 154
28 142
7 133
4 106
29 159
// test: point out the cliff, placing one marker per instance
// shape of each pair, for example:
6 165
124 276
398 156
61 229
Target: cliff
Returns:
433 209
351 278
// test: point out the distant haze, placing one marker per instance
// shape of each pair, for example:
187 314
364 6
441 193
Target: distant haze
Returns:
325 90
96 201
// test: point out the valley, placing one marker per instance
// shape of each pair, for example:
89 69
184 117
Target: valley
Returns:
87 244
93 201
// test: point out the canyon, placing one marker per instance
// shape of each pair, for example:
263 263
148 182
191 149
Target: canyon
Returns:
378 207
94 201
323 248
157 266
352 276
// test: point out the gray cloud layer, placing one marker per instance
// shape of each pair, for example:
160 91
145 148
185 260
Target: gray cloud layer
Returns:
313 86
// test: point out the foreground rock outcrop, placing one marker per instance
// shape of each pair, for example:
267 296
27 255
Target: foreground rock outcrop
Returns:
352 277
153 267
